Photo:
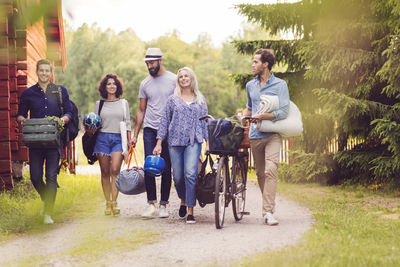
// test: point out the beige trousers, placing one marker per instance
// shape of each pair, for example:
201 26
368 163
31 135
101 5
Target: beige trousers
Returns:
266 159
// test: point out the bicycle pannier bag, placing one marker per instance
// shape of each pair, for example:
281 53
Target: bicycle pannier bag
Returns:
205 184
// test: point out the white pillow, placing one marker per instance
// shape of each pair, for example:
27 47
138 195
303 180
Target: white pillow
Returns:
268 103
291 126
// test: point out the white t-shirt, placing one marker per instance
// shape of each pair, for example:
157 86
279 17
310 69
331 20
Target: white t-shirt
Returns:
111 114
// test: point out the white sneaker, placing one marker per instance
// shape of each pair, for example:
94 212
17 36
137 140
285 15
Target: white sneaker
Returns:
47 219
150 211
162 212
269 219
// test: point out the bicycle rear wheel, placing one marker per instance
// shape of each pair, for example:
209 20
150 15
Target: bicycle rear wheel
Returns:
220 192
239 179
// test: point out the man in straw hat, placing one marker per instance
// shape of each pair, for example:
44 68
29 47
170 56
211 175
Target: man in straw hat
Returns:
153 94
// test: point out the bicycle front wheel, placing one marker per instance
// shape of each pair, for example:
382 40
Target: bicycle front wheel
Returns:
239 177
220 192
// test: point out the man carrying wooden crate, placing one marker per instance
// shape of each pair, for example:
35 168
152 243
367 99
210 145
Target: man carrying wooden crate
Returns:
42 100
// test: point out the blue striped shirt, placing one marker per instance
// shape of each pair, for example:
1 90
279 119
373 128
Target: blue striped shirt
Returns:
180 122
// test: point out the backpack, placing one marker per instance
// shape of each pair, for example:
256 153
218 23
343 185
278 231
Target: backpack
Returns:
89 141
71 130
205 184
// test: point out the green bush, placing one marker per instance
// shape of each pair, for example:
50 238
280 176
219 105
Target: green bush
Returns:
309 167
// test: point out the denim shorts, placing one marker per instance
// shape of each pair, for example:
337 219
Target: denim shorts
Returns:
106 143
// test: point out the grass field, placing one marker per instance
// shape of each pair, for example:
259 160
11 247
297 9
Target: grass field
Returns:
353 226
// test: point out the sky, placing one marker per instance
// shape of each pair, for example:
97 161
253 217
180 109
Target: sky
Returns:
153 18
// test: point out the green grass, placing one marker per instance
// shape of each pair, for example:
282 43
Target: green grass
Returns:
353 226
20 207
76 196
79 196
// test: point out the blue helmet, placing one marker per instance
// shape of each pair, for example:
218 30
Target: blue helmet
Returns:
92 120
154 165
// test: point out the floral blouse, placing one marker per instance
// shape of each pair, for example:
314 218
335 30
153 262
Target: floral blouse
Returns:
180 122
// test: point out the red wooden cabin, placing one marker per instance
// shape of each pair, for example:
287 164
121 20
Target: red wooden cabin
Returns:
22 43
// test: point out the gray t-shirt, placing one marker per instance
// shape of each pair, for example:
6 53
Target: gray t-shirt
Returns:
156 91
111 114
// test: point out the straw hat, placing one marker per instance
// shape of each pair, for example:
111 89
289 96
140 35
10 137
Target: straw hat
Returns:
153 54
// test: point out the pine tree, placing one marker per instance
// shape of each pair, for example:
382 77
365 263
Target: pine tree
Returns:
343 70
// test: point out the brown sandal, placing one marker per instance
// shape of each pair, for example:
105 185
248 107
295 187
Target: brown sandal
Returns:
108 209
114 208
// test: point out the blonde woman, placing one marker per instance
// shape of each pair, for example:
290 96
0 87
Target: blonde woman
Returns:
186 134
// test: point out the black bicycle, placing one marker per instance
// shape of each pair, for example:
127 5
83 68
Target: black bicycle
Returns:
231 179
230 185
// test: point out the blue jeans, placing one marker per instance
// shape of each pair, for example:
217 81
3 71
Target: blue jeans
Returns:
48 190
185 161
149 140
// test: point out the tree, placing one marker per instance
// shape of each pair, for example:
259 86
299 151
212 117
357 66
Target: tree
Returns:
92 53
342 70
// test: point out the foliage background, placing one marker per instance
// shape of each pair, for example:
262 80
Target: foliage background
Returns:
93 52
343 73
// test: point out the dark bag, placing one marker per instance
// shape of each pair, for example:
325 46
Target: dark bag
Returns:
89 141
131 181
71 130
205 184
225 134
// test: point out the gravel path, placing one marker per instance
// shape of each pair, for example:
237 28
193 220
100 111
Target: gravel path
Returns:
179 244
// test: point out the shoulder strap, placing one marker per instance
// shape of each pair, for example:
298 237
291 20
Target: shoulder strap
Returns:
124 108
60 102
100 106
211 162
203 167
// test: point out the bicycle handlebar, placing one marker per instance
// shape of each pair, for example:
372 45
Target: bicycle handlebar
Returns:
206 117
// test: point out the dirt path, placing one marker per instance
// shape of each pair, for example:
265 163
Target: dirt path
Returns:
178 244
